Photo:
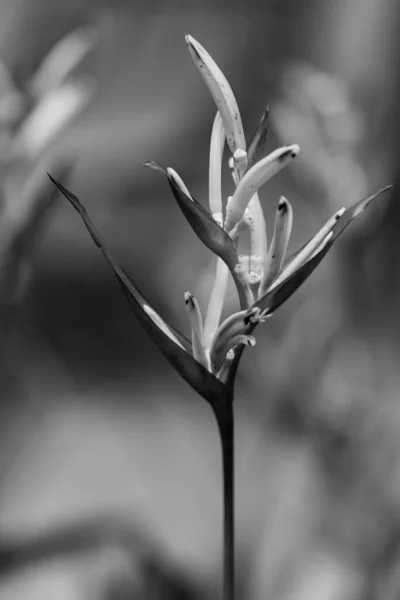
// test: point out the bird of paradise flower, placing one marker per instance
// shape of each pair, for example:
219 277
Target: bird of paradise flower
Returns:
264 279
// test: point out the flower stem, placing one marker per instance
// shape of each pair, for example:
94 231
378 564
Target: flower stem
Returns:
226 428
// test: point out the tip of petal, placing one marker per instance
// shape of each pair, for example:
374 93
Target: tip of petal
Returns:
287 151
193 45
283 205
189 298
294 150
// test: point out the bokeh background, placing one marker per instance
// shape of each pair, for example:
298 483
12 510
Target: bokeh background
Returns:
109 464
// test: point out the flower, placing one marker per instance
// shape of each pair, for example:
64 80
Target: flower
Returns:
264 278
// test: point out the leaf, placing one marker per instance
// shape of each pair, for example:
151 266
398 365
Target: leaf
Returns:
163 334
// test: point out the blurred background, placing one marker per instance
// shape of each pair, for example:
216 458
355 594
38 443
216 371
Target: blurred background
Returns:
109 464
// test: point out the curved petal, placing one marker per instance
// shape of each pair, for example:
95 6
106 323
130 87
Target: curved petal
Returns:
221 92
204 226
171 343
256 177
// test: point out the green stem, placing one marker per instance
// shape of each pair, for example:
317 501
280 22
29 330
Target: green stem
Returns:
226 428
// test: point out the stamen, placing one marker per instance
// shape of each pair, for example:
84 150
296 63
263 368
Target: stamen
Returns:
255 177
280 241
216 153
311 248
216 302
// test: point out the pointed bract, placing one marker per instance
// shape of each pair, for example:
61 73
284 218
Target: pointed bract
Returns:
221 92
204 226
256 177
171 342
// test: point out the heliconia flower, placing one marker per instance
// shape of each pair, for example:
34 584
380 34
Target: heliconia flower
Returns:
264 279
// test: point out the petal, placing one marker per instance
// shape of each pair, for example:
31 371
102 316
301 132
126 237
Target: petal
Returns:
216 301
259 137
255 177
204 226
280 240
171 343
279 294
221 92
215 166
258 229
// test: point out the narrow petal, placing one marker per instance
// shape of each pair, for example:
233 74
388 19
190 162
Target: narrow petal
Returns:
281 292
221 92
280 240
196 322
216 153
172 343
255 177
216 302
195 317
258 140
204 226
258 230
